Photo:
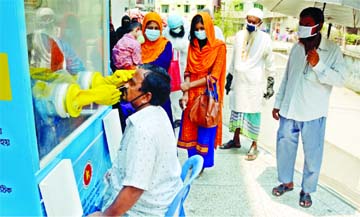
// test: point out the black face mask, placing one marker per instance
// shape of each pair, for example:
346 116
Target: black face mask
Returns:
125 23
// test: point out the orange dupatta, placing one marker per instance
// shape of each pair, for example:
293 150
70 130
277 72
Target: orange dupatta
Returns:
151 50
199 61
210 59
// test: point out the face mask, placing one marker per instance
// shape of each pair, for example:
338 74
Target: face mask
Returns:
251 27
152 34
307 31
201 34
140 38
176 30
127 107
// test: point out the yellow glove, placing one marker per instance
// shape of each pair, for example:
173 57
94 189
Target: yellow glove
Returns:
106 95
41 90
77 98
119 78
43 74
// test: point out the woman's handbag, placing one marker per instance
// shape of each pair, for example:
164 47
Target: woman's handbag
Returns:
174 72
206 108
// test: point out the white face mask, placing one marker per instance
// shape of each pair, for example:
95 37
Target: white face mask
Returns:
152 34
200 34
307 31
176 30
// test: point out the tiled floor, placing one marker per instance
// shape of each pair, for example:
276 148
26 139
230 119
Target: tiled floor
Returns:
236 187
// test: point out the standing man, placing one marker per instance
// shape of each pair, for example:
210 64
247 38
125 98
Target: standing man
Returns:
145 177
315 64
252 62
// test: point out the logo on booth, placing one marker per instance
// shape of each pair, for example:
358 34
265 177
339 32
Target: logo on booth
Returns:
87 174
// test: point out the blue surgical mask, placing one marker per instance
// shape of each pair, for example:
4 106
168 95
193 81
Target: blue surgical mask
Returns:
251 27
200 34
152 34
127 107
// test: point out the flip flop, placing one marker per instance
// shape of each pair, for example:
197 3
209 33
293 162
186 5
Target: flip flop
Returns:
305 200
252 154
230 144
280 190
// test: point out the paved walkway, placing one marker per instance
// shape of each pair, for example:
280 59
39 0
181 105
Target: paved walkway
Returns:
236 187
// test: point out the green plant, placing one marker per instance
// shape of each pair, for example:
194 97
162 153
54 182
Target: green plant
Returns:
352 39
224 17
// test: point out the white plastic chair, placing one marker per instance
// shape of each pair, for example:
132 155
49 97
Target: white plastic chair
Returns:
195 163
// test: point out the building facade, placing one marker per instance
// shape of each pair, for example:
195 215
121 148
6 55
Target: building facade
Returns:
185 8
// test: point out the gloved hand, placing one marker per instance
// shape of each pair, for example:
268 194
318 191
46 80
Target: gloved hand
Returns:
76 98
269 88
118 78
229 78
43 74
106 95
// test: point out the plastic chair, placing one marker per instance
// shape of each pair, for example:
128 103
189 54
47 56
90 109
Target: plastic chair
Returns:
195 163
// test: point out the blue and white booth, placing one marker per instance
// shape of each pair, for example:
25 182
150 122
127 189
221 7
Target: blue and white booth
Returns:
52 163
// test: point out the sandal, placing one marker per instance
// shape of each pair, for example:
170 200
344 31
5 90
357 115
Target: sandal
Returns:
252 154
281 189
230 144
305 199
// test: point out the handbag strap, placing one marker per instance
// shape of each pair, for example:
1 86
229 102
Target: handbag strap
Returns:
210 88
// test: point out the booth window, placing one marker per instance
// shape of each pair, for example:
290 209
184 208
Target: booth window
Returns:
66 42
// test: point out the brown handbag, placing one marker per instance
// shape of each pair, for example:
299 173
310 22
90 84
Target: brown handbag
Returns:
206 108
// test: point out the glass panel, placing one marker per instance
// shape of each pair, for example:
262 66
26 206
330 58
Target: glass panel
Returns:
186 8
66 41
257 5
200 7
239 7
164 8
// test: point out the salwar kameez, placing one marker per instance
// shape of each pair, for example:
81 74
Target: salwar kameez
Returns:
210 61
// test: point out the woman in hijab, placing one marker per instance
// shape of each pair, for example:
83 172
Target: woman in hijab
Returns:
206 56
156 49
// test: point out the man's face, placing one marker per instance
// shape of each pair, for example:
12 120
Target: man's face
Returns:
307 21
308 28
253 20
133 88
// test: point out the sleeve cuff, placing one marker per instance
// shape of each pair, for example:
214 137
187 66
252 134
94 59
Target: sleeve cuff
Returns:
277 104
136 184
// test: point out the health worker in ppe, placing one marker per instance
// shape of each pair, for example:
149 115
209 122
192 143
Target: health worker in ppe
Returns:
177 32
60 92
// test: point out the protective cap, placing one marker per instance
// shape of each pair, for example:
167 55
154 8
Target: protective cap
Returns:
175 21
256 12
45 15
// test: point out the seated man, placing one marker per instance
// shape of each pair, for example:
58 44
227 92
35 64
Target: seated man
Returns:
146 176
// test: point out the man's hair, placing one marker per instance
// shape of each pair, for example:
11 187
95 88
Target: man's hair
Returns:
157 82
316 13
